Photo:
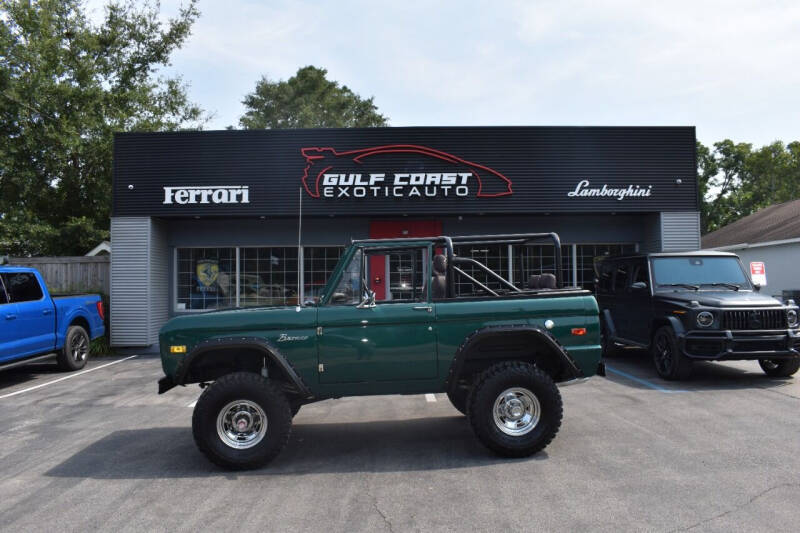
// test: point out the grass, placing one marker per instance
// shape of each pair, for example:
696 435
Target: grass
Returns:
100 347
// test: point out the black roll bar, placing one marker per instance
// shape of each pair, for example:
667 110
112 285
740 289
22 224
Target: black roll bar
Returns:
475 281
487 270
505 238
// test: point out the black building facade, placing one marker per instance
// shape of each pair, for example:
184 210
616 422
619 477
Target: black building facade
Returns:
204 220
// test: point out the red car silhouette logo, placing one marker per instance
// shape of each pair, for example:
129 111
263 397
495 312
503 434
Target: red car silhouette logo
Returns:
327 160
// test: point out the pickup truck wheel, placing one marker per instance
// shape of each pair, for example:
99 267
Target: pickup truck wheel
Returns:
515 409
458 398
242 421
75 352
780 369
670 363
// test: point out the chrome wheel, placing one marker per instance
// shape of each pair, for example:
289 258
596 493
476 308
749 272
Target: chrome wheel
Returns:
241 424
516 411
79 347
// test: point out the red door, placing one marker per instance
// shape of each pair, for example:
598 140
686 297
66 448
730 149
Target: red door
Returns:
393 229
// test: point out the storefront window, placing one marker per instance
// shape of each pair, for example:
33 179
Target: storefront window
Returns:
530 260
206 278
318 266
267 276
493 256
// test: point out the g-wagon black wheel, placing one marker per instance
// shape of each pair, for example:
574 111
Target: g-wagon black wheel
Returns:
670 363
780 369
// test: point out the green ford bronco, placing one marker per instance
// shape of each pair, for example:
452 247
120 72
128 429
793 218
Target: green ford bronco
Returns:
398 316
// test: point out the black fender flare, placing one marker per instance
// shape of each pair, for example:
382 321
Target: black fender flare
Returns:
677 327
251 343
571 369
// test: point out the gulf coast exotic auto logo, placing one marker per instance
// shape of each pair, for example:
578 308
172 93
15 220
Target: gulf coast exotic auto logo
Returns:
398 171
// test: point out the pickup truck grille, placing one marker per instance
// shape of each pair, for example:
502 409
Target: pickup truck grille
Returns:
754 319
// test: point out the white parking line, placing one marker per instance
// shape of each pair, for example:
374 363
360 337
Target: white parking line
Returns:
9 395
192 404
430 397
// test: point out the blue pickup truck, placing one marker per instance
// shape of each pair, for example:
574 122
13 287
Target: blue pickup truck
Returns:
35 326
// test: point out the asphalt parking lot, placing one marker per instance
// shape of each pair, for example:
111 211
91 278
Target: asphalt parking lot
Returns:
101 450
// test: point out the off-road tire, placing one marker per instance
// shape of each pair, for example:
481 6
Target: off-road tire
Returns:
458 397
253 388
491 384
780 369
668 359
76 338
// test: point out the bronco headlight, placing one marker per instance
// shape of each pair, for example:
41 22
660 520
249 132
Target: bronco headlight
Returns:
705 319
791 318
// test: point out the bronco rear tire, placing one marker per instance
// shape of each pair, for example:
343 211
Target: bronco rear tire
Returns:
75 353
515 409
242 421
780 369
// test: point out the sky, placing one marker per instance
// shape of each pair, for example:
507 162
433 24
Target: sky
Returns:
730 68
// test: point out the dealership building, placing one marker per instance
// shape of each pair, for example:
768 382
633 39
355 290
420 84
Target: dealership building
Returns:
208 220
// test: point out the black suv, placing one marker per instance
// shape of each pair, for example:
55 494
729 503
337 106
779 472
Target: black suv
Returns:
694 306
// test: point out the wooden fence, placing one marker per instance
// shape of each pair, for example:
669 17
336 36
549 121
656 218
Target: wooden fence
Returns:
70 274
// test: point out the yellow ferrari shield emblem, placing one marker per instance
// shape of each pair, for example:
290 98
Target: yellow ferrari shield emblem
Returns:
207 271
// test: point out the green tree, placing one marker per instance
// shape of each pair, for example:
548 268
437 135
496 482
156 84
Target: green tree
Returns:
736 180
66 86
308 100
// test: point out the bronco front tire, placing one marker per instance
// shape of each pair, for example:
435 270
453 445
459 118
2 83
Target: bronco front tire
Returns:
242 421
515 409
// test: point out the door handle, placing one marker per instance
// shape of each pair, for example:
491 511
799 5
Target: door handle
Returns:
427 308
10 316
47 311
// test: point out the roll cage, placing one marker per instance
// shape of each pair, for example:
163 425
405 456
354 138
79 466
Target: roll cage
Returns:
453 260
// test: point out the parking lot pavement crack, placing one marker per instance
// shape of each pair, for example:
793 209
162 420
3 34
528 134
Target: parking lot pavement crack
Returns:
784 394
738 507
378 510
